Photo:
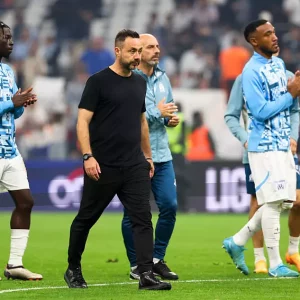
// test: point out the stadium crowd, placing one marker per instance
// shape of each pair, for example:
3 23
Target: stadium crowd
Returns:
202 47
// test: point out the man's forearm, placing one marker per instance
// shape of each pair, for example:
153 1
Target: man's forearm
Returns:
84 137
145 140
18 111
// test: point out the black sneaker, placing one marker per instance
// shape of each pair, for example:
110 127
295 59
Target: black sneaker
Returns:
74 278
149 282
162 270
134 274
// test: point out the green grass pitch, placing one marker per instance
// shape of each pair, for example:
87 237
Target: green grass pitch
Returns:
195 253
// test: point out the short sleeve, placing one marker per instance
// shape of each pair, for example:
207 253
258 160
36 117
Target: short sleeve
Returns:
91 94
144 83
144 107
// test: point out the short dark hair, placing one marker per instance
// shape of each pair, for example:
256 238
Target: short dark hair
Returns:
3 25
125 33
251 27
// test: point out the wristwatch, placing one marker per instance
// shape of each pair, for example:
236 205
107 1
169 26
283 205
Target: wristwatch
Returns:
86 156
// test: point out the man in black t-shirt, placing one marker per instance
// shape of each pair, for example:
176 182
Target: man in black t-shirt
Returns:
114 138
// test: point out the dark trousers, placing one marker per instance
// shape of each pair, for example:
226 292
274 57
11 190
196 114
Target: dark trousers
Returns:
164 190
132 185
181 181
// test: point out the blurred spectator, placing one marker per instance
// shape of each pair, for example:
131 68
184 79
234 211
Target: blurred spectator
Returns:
74 91
50 50
237 13
73 17
291 41
192 64
167 33
276 10
289 59
182 16
205 13
242 11
212 72
51 99
22 45
195 37
96 57
177 141
182 42
5 4
227 34
167 63
292 9
200 143
34 65
154 27
19 25
227 14
204 35
30 130
232 62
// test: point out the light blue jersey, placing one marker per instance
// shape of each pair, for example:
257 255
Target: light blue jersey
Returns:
264 84
8 113
158 87
236 108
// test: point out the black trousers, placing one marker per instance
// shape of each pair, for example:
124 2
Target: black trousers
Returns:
132 185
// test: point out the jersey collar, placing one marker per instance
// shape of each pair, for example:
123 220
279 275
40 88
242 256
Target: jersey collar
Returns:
158 72
262 59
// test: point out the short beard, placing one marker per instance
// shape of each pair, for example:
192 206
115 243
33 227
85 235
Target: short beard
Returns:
268 52
6 56
126 66
152 63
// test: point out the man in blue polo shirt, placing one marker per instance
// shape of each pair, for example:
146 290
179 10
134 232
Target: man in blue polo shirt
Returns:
160 112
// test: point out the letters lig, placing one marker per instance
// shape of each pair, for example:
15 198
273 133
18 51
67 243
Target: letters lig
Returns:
226 190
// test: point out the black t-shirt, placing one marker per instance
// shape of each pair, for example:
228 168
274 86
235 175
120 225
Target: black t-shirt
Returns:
115 129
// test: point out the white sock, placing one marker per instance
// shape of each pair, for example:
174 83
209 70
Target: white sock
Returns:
293 245
133 268
271 230
253 225
259 254
18 243
156 260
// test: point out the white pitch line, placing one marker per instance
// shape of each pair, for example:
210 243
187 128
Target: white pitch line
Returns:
132 282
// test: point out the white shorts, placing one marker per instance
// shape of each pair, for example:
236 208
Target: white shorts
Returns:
13 175
274 176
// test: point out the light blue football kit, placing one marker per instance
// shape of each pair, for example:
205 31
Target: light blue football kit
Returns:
8 113
268 103
13 175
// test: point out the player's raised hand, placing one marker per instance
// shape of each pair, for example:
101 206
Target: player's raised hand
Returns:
293 85
27 91
92 168
174 121
167 109
20 98
32 100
